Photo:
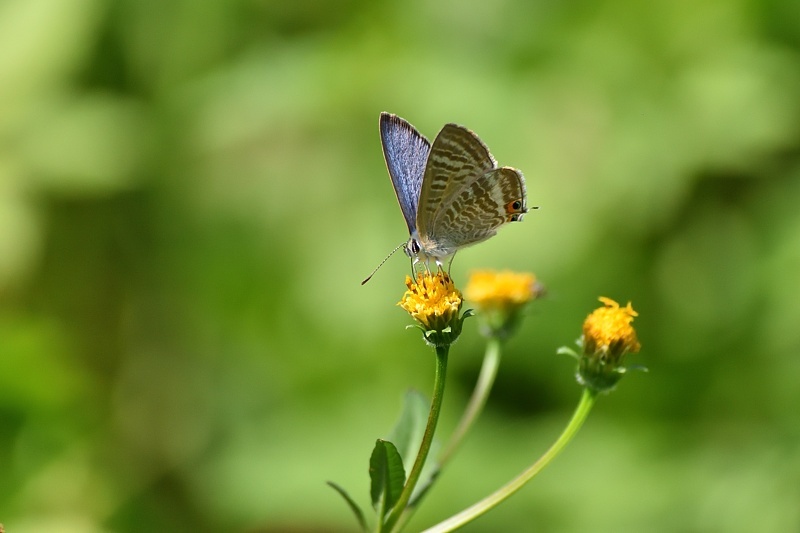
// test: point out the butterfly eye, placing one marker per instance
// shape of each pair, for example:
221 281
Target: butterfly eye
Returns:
412 248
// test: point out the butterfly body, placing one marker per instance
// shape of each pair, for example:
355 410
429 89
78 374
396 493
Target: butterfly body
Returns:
452 193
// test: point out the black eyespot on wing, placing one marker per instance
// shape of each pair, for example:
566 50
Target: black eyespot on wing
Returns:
515 206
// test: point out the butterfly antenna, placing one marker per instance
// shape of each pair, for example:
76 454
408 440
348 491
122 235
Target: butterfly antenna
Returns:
382 262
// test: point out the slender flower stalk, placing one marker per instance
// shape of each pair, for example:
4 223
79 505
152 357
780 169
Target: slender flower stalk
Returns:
488 373
500 495
500 299
427 440
480 394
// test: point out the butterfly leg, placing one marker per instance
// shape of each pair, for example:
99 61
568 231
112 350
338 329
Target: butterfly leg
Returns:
440 264
450 263
415 270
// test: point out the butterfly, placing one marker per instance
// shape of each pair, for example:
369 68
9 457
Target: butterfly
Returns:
452 193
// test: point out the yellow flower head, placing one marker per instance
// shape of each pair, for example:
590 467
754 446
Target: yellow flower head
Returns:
434 302
500 296
608 330
608 336
501 290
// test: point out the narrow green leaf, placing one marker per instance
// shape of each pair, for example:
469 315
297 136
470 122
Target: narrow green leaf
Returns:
387 475
353 505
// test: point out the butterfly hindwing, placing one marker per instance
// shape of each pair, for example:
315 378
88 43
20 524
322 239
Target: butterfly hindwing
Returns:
406 152
479 208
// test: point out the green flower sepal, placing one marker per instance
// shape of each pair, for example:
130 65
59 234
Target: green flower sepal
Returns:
439 338
595 373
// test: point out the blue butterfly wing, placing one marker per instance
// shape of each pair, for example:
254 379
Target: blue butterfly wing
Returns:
406 153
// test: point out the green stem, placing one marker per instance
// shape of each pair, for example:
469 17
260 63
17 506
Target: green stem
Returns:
467 515
427 439
491 362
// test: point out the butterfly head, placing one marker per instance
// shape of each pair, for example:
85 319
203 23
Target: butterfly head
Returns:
422 250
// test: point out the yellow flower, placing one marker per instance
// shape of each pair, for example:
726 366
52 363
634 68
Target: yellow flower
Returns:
608 336
434 302
501 290
500 296
608 330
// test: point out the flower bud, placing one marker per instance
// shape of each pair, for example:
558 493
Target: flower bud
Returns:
608 337
500 298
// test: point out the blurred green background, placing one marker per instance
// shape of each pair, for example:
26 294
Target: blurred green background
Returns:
191 192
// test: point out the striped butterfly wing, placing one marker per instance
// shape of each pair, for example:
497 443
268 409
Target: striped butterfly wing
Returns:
479 208
405 151
457 159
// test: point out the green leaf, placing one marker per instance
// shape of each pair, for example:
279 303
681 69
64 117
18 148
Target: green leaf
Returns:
387 475
407 436
353 505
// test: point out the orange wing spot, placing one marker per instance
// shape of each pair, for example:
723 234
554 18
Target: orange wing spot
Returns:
514 207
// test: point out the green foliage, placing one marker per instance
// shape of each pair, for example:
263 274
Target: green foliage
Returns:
387 475
359 514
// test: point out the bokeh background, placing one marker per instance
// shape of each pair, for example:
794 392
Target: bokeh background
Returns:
191 192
